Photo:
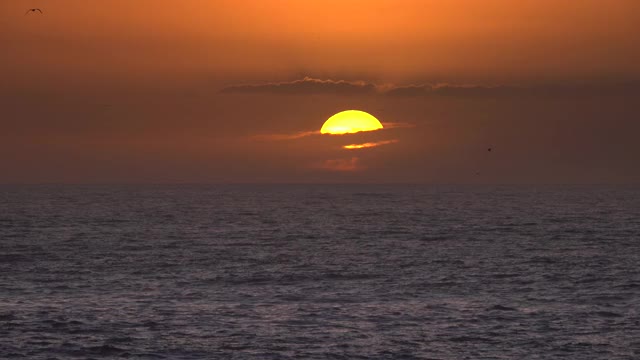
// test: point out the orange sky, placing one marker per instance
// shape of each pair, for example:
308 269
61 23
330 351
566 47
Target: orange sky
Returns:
126 90
456 40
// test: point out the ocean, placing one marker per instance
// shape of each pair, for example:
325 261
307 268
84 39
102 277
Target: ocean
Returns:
319 272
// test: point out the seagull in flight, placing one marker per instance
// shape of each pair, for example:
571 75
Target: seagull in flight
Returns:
33 10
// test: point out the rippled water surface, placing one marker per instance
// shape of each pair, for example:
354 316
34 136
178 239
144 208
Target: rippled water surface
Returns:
319 272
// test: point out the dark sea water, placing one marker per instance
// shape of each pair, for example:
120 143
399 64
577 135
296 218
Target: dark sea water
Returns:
319 272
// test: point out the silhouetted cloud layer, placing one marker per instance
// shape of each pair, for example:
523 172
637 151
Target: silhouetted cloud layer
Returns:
306 85
451 90
309 85
626 88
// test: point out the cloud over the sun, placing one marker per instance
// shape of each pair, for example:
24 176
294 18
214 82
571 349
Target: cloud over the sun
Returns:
309 85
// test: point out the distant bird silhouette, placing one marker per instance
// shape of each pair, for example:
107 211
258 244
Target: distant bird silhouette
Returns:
489 149
33 10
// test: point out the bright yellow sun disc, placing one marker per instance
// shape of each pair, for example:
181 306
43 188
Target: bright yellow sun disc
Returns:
350 121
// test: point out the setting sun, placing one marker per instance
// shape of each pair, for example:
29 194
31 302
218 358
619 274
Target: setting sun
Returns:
350 121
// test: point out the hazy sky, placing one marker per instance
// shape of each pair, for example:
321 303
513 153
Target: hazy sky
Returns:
194 91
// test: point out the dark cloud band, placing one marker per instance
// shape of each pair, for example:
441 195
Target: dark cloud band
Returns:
305 86
308 85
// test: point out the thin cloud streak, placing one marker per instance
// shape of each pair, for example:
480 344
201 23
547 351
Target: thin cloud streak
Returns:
369 144
396 125
276 137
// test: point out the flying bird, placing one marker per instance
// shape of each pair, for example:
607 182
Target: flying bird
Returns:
489 149
33 10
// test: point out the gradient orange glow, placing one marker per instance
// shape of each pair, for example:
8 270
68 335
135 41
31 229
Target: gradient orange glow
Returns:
349 122
394 40
237 90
